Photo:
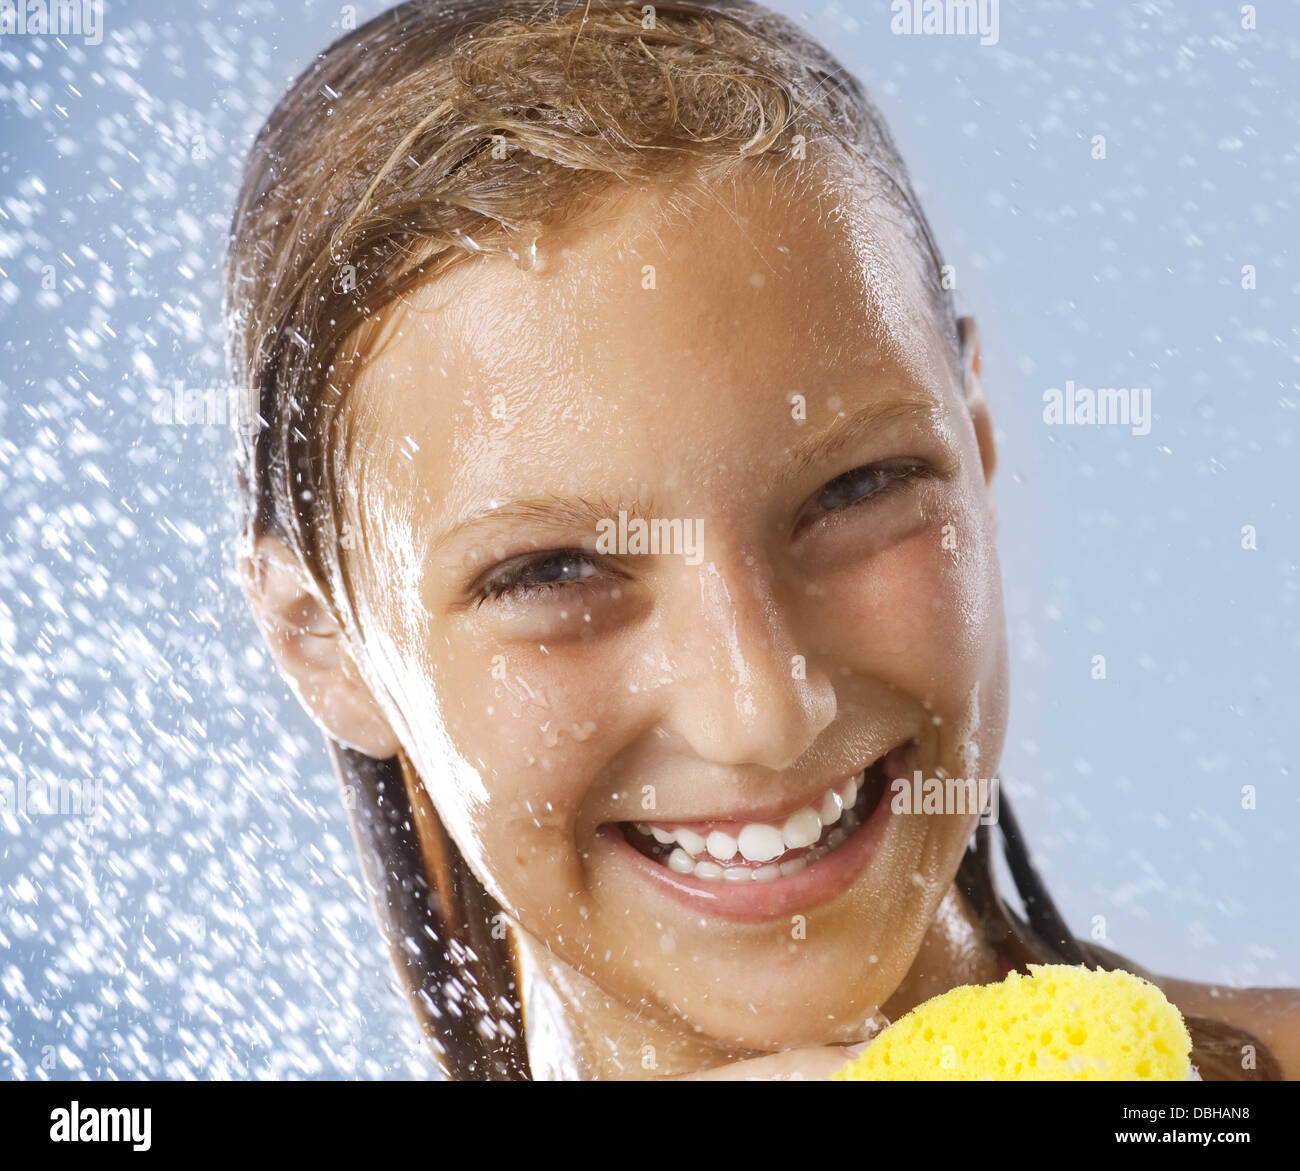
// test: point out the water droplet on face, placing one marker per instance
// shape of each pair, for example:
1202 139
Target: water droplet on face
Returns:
525 255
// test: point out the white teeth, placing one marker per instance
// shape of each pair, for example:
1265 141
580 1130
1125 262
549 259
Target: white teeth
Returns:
831 808
763 843
690 841
681 862
721 845
801 829
712 871
760 843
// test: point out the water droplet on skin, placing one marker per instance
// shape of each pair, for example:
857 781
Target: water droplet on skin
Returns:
520 689
525 256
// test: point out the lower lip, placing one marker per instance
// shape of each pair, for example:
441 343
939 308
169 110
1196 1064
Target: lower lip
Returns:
759 901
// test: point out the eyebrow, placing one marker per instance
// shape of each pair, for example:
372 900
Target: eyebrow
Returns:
847 429
570 511
581 512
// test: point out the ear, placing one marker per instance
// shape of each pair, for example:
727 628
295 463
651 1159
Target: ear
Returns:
308 646
978 403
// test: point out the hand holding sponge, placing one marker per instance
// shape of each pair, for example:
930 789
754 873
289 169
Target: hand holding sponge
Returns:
1059 1023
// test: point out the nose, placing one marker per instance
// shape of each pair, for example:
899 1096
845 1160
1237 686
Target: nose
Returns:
741 697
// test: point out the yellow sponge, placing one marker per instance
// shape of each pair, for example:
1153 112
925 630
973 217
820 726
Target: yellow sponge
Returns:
1060 1023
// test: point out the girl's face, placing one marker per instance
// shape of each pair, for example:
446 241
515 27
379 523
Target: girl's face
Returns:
765 372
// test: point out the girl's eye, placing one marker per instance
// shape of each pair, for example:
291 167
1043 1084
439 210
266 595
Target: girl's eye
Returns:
541 575
861 484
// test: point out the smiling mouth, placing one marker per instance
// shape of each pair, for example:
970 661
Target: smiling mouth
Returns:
765 851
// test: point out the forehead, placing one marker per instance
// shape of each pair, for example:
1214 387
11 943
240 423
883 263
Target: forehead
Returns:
682 317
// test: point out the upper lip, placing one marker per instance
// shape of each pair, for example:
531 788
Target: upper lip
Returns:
775 810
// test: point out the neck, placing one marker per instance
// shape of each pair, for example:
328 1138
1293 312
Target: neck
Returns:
576 1031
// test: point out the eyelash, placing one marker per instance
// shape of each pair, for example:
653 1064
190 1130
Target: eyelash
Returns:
509 583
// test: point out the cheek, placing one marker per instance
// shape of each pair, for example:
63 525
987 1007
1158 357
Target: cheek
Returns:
923 615
531 721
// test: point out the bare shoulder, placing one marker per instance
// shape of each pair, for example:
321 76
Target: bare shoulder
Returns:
1271 1014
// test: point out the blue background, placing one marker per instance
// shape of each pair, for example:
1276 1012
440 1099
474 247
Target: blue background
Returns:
212 922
